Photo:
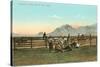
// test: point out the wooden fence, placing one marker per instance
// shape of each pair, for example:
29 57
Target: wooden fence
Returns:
33 42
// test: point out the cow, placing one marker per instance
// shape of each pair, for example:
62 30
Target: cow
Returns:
61 45
75 44
58 46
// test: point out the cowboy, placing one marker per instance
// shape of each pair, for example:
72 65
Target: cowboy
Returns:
44 35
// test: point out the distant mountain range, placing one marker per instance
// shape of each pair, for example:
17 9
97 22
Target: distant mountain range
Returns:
68 29
21 35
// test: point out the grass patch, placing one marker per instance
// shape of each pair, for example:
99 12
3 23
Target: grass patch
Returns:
35 56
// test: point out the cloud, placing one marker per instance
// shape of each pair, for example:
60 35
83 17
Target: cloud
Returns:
78 16
55 17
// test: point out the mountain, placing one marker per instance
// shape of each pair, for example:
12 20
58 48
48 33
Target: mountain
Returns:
40 34
15 34
88 29
68 29
21 35
64 30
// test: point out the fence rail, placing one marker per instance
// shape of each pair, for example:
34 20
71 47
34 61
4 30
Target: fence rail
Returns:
32 42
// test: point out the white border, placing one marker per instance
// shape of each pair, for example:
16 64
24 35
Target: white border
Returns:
5 33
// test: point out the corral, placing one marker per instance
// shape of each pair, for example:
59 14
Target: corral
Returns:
34 50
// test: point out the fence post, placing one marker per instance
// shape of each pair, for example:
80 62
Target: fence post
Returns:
14 43
96 41
22 42
68 39
31 41
90 38
46 40
78 37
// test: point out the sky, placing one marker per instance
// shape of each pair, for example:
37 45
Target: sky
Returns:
34 17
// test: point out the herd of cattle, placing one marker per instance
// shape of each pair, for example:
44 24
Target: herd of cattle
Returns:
61 44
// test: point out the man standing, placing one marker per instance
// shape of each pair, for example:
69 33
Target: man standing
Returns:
44 35
50 42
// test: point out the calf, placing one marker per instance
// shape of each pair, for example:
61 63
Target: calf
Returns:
75 45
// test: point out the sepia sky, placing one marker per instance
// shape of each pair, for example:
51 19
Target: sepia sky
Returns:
33 17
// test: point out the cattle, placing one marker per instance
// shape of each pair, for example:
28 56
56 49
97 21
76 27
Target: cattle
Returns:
58 46
75 44
67 48
61 45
